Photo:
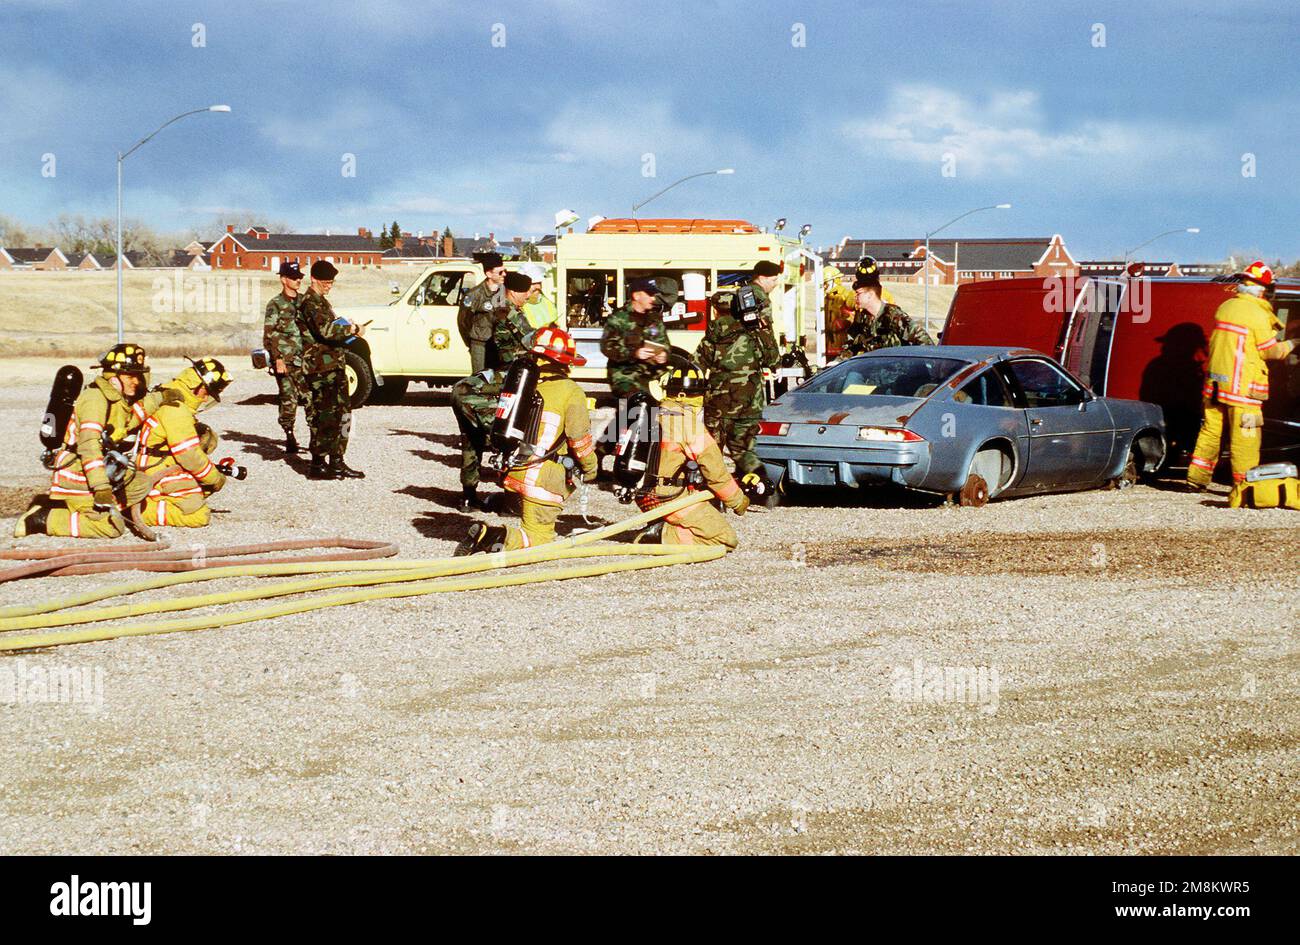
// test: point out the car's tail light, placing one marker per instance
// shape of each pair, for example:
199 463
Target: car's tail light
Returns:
888 435
772 428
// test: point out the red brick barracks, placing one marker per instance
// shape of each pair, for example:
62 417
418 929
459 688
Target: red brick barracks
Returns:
954 262
258 249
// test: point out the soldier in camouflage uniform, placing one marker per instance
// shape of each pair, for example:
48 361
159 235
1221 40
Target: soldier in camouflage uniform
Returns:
880 324
282 338
322 362
478 312
474 402
512 332
635 345
734 355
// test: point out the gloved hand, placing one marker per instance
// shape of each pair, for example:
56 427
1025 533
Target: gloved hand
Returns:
590 477
744 504
172 398
104 500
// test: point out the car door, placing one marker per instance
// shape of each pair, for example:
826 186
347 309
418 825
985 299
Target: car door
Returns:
432 307
1071 433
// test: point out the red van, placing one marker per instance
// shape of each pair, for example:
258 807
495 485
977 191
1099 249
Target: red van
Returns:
1138 338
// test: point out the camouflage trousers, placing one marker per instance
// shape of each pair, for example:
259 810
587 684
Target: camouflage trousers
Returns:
736 436
293 391
474 402
329 413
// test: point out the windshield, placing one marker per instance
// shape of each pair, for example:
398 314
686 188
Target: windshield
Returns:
900 376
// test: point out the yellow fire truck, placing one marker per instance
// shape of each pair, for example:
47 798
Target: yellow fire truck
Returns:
414 337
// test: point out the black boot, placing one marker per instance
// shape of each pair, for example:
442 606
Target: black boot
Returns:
35 519
341 470
470 500
318 469
481 539
290 443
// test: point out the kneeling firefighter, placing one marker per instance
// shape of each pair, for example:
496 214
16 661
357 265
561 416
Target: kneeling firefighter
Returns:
93 464
174 473
541 412
654 468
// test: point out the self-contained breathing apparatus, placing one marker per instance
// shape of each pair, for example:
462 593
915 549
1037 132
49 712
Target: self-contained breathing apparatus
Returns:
58 412
745 306
513 438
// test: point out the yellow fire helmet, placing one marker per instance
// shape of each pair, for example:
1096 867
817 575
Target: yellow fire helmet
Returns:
124 359
209 373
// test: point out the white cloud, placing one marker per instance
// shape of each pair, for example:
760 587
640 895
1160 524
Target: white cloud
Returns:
1006 134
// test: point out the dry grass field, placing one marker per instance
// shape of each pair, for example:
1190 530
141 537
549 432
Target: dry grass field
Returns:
173 312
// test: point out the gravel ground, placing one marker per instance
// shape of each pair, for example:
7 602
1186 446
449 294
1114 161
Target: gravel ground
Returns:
1134 694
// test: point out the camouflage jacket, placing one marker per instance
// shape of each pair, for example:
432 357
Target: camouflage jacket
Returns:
477 396
281 333
734 357
512 333
625 332
891 328
316 312
479 308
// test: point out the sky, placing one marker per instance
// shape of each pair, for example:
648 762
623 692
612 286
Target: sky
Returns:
1105 122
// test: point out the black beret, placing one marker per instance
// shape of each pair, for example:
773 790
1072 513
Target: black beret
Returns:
518 282
489 260
644 284
323 270
290 270
765 267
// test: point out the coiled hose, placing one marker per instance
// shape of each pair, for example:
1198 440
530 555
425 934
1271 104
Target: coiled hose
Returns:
379 580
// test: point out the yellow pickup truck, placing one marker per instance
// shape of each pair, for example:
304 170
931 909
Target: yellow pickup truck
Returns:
414 337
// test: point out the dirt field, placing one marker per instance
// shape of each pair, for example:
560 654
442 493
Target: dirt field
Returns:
1068 674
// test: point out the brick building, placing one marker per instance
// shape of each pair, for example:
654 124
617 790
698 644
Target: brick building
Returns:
258 249
38 257
956 261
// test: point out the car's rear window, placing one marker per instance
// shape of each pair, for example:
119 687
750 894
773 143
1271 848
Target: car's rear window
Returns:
901 376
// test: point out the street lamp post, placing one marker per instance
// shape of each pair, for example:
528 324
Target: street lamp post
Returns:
926 270
122 156
1177 229
725 170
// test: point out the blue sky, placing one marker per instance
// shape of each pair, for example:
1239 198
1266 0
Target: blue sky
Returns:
847 132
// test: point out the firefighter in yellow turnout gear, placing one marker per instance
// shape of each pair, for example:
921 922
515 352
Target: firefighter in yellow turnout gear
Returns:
175 474
1244 339
542 481
683 440
82 501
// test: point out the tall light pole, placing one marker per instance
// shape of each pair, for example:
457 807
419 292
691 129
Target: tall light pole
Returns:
122 156
725 170
926 271
1177 229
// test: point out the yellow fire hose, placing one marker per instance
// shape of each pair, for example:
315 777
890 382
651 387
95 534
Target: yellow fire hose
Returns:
413 578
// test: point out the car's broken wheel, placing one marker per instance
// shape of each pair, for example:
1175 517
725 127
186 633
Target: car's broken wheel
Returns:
975 493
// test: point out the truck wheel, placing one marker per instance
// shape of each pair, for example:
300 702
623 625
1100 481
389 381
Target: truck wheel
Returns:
360 381
391 391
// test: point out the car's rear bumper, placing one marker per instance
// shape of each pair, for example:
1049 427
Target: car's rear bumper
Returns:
903 464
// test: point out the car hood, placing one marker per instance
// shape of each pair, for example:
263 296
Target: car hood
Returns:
842 408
